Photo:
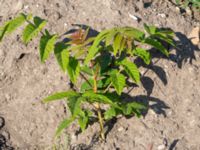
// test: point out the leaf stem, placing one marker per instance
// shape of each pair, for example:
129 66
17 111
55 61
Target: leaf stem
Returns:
82 75
97 106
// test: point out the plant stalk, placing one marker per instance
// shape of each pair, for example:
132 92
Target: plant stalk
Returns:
97 106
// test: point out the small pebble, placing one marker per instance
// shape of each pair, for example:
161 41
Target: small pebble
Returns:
26 7
161 147
178 9
162 15
73 137
188 11
133 17
120 129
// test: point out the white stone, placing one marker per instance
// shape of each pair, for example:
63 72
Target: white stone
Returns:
26 7
161 147
120 129
133 17
162 15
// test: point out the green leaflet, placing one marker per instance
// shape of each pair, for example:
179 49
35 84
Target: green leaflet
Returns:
144 54
86 70
62 55
156 44
60 95
32 30
15 23
104 61
131 69
94 48
73 69
74 104
86 86
133 33
150 29
117 43
3 31
47 43
12 25
110 36
110 113
118 81
133 107
64 124
83 120
164 37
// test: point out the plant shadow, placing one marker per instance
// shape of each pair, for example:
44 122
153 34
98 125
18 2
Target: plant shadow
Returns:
3 141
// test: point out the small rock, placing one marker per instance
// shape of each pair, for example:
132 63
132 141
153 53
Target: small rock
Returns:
194 36
178 9
161 147
73 137
188 11
162 15
134 17
120 129
26 7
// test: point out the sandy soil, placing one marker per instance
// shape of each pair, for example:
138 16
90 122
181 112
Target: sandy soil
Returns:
171 86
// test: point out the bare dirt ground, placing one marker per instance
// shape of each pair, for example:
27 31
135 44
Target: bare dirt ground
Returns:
171 86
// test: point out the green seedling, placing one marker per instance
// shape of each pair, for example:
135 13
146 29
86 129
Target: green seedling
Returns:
104 62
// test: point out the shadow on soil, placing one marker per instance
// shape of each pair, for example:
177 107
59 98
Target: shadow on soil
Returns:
184 52
3 141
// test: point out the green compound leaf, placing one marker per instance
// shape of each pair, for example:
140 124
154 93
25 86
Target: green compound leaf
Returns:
60 95
47 43
32 30
12 25
118 81
143 54
62 55
131 69
73 69
64 124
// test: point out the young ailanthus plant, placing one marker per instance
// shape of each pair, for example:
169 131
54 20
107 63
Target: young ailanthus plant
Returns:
104 62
